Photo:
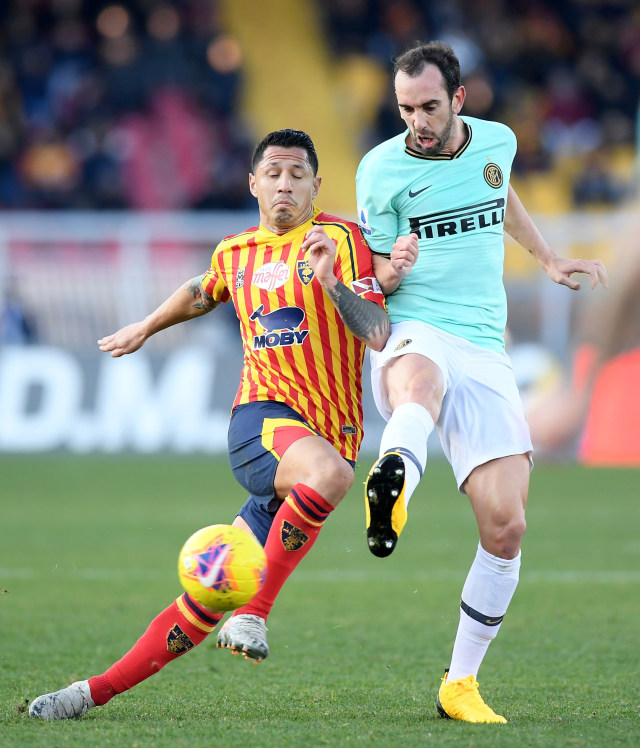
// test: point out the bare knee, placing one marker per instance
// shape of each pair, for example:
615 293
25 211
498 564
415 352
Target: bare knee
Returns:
414 379
330 477
502 535
498 493
419 390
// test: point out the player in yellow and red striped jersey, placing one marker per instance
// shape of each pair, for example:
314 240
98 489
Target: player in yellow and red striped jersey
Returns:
303 287
297 348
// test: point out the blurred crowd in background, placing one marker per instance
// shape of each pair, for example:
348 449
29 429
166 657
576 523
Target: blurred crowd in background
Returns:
135 104
119 105
564 74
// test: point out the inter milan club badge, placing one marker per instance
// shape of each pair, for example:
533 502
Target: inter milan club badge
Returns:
493 175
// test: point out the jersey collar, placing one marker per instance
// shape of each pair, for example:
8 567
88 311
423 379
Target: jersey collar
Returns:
444 157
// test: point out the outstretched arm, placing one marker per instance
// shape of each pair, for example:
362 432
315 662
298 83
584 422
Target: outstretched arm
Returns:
185 303
366 320
519 226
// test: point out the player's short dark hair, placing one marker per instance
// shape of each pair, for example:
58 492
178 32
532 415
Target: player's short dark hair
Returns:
413 61
286 138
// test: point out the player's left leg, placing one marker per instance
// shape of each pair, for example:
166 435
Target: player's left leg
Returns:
497 491
314 478
290 463
172 633
486 439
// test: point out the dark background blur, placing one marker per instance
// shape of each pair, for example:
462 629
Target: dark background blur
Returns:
140 104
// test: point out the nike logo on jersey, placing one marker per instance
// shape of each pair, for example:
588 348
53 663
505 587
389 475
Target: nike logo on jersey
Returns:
417 192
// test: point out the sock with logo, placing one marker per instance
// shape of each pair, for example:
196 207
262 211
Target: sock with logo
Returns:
295 529
172 633
407 432
486 595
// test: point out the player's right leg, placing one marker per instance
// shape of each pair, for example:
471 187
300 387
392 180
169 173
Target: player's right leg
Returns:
408 388
172 633
385 506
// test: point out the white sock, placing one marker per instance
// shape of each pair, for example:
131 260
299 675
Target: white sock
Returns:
486 595
407 432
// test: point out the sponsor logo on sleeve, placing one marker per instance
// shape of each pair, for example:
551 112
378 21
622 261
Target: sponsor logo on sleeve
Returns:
363 220
363 286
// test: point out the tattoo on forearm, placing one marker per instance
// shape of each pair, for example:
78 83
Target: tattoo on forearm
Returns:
200 299
365 319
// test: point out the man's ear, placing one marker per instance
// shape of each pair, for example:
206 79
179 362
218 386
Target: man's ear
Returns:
317 181
252 185
458 99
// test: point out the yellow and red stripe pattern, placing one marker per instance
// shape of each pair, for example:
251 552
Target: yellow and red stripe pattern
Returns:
297 350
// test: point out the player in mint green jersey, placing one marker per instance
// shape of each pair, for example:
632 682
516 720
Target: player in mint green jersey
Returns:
433 203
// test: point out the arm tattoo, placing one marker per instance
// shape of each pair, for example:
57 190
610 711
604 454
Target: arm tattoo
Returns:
201 300
366 320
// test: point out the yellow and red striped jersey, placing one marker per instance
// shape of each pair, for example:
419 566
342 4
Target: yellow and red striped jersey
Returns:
297 349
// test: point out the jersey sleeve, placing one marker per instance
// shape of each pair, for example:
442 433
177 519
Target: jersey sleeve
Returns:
214 283
354 267
377 217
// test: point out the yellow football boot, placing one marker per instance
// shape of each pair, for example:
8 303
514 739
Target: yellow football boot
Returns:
386 513
460 699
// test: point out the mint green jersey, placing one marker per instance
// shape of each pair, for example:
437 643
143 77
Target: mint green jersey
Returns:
456 205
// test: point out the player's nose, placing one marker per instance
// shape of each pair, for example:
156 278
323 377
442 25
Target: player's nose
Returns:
285 184
420 120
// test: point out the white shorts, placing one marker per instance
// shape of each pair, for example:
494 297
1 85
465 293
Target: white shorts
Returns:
482 417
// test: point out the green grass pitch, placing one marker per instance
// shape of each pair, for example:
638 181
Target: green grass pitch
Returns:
88 551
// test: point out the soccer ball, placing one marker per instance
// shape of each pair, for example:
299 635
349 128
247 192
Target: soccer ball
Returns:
222 567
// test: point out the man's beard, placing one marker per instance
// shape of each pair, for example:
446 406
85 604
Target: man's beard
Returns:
440 140
284 215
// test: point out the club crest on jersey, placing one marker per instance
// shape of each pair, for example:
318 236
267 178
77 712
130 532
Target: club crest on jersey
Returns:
292 537
305 273
271 275
280 327
493 175
177 641
240 278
